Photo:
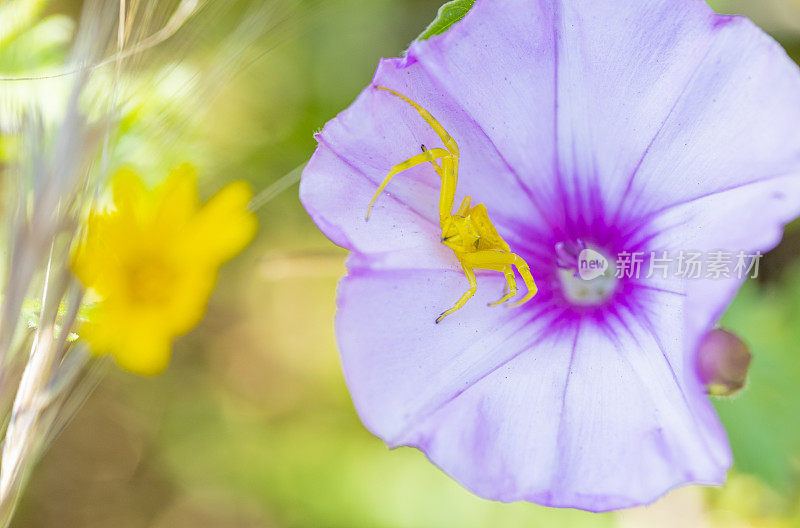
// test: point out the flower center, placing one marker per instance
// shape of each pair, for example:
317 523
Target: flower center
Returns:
149 282
586 273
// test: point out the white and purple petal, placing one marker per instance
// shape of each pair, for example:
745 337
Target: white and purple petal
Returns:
651 125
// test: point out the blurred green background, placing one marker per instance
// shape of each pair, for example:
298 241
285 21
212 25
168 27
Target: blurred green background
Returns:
252 425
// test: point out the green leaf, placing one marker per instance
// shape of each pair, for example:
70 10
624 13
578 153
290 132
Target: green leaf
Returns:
762 421
449 14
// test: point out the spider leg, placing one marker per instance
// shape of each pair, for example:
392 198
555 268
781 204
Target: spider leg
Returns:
447 220
464 207
449 181
525 271
512 285
436 166
428 155
448 141
491 259
445 201
449 174
473 287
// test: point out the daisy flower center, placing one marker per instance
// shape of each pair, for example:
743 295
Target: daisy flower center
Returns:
148 281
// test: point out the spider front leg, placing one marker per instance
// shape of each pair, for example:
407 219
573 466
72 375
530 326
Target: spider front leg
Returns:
447 197
463 209
449 168
448 141
447 221
436 166
473 287
428 155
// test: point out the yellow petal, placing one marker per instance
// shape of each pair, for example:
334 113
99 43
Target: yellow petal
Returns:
179 199
92 259
143 349
223 227
129 192
145 354
153 262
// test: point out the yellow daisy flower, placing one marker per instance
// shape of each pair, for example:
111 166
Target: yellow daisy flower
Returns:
152 261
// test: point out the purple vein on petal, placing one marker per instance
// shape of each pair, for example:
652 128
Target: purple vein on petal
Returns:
641 244
542 335
322 141
648 326
654 214
679 98
562 462
562 199
540 209
660 290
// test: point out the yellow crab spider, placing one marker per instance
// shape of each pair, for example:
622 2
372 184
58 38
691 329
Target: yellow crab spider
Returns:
469 233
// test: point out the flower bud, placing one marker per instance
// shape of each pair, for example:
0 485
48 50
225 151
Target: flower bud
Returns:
722 362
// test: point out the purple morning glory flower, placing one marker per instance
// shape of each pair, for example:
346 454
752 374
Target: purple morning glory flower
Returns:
614 126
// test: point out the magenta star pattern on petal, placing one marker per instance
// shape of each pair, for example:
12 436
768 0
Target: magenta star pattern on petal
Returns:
638 126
